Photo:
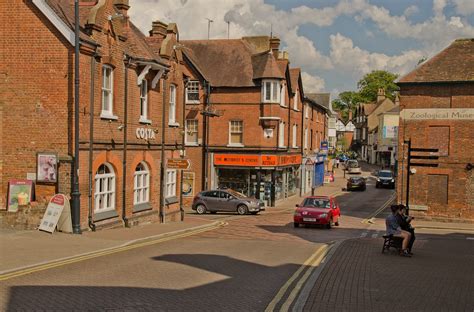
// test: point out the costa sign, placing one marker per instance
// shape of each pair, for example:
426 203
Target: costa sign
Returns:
145 134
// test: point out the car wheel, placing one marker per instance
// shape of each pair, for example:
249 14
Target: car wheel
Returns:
242 209
296 224
201 209
329 225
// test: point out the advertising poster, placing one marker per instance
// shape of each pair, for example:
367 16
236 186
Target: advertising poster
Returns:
47 168
19 193
57 213
188 184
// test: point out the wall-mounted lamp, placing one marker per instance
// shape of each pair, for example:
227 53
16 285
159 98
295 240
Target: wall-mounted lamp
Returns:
120 127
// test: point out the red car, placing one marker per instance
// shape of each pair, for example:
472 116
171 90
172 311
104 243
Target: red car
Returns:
317 210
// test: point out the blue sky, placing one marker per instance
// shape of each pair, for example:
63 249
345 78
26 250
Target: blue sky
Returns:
334 42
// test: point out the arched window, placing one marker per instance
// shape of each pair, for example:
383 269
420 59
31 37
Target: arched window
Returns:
104 195
141 184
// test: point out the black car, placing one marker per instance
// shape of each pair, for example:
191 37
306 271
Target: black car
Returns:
385 178
356 183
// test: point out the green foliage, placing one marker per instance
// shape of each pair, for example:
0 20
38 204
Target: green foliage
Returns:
370 83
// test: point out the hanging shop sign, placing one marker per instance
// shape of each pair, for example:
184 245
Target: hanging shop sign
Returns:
145 134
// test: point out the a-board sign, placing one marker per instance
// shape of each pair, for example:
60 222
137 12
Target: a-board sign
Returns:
58 213
178 163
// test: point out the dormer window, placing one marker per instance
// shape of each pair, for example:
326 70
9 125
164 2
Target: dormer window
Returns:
271 91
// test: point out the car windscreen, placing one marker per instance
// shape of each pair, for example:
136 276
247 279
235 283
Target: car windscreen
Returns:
317 203
353 164
235 193
385 174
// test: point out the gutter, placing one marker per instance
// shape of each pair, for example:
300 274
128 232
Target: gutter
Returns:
91 140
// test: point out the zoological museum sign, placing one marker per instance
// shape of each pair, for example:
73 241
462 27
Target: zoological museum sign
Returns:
438 114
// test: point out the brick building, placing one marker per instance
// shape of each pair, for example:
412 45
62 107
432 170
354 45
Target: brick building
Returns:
437 112
130 111
244 120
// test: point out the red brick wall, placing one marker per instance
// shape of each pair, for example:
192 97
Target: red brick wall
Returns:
455 153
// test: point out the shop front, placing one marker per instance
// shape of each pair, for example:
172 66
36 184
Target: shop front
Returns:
267 177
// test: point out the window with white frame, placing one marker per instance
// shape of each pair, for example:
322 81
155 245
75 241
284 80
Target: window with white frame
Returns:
281 134
192 92
172 106
141 184
144 100
191 135
306 138
271 91
236 131
295 101
170 183
295 130
104 193
107 90
283 96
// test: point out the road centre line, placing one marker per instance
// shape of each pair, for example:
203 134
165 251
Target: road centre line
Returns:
271 306
113 250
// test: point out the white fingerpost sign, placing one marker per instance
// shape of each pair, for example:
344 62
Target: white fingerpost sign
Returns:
58 213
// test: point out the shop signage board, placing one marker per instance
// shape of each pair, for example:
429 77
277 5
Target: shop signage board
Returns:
188 184
58 213
243 160
19 193
438 114
178 163
324 145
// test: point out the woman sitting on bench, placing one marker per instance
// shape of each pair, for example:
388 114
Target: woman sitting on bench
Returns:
405 223
393 228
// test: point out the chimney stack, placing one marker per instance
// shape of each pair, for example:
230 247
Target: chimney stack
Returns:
275 46
350 115
122 6
158 29
380 95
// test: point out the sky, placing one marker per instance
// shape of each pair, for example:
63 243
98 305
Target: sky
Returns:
334 42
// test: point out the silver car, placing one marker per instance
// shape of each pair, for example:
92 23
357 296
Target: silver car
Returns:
226 201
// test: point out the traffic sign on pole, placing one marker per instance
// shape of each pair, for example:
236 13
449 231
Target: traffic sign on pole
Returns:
178 163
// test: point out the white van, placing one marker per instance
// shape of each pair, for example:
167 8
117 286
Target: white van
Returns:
352 166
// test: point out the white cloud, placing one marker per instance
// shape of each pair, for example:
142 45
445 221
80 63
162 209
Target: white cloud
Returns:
312 84
412 9
464 7
456 21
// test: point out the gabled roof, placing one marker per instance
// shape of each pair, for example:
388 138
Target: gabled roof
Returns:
453 64
231 62
368 108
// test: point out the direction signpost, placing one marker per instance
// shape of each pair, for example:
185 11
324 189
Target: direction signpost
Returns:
178 163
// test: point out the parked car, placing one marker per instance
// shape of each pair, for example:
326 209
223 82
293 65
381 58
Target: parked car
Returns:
226 201
322 210
385 178
352 166
356 183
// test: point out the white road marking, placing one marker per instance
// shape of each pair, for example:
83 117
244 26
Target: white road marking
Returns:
470 238
364 234
375 235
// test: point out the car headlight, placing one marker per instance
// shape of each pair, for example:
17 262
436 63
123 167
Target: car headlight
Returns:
323 216
378 180
297 214
393 180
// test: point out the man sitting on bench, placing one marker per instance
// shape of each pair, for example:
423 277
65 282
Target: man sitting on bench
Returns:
393 228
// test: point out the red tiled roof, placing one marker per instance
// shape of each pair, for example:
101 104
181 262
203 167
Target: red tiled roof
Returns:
265 66
455 63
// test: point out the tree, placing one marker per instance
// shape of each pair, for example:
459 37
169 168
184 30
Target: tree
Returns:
346 101
373 81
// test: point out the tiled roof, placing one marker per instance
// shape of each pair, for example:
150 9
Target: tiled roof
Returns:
455 63
368 108
320 98
231 62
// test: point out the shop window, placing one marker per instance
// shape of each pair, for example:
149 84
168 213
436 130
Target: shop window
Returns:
191 135
271 91
172 106
170 183
281 134
144 101
141 184
236 132
107 91
104 195
192 92
295 135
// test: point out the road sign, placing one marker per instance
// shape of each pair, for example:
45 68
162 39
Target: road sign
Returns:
178 163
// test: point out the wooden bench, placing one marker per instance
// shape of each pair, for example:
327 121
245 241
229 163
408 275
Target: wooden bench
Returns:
390 241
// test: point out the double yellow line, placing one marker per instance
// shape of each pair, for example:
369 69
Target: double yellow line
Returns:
309 265
92 255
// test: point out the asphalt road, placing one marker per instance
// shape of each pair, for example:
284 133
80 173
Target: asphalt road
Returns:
243 266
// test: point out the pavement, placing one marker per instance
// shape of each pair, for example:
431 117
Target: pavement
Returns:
352 273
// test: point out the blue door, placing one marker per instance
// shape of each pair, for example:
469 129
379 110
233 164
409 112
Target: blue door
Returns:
318 174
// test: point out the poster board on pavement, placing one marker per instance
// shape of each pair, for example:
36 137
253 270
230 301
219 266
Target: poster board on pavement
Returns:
58 213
